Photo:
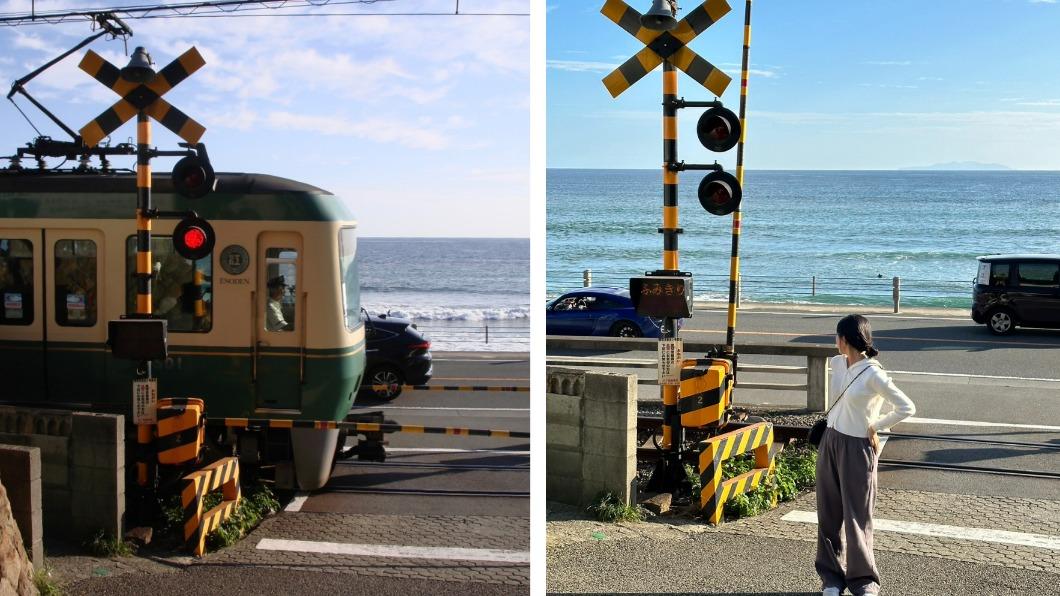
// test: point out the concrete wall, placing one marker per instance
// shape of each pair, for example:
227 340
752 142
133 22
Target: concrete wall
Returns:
20 470
591 435
82 465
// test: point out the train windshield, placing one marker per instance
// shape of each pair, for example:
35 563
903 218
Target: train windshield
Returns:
351 285
182 290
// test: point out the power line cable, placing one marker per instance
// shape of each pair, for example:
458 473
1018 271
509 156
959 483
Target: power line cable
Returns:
229 9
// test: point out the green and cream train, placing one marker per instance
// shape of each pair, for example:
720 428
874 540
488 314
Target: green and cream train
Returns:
267 326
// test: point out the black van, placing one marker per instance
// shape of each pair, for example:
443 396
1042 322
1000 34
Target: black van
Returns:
1015 290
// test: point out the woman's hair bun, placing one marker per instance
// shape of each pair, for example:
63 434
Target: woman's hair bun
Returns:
872 352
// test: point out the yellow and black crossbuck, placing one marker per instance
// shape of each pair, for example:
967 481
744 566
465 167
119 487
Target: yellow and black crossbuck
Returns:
142 96
669 46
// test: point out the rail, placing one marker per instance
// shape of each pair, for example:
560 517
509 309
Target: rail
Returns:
816 369
811 288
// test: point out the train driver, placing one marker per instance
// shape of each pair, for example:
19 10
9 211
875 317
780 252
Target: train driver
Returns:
274 320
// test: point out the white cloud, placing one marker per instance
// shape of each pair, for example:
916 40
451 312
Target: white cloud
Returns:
581 66
391 131
1040 103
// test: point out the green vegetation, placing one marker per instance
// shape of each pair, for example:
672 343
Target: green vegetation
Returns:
46 585
609 508
795 471
102 545
257 503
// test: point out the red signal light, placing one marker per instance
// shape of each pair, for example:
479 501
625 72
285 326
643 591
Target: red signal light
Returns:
194 238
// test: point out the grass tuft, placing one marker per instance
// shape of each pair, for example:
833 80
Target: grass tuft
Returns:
45 583
606 507
795 471
257 503
102 545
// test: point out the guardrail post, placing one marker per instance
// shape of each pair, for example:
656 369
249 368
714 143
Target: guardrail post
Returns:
813 286
587 278
897 292
487 334
817 383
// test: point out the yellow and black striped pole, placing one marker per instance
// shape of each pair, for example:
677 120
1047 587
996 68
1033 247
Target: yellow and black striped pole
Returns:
672 438
144 270
737 216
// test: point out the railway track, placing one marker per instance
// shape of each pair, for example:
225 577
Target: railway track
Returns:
651 425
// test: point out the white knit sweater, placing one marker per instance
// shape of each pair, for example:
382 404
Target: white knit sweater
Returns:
861 407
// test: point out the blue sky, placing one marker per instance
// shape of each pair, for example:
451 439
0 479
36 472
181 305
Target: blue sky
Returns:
851 84
421 123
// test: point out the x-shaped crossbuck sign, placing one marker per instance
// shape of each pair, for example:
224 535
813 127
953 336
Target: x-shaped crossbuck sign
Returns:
666 45
142 96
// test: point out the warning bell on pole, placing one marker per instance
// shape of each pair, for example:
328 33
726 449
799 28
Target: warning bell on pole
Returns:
661 16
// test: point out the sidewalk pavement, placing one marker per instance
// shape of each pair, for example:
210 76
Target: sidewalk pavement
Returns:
771 555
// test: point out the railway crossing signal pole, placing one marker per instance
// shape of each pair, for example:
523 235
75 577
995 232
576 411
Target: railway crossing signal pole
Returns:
666 42
140 337
737 216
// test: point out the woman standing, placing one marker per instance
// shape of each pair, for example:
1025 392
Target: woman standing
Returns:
846 459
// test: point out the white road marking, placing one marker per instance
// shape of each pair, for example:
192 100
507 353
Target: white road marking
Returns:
971 376
943 422
297 502
402 552
959 532
491 360
445 450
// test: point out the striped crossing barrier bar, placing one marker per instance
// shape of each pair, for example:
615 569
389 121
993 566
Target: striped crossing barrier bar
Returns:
451 388
368 427
223 474
714 451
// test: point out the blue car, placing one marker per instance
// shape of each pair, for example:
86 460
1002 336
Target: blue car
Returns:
598 311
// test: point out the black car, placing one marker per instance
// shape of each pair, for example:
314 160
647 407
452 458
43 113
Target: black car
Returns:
397 354
1013 290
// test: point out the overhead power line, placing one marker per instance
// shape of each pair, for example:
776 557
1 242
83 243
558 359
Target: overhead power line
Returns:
226 9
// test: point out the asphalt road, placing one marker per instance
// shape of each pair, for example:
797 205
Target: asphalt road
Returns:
954 370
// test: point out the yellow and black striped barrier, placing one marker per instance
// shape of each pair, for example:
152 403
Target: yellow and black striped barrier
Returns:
714 451
449 388
368 427
180 430
223 474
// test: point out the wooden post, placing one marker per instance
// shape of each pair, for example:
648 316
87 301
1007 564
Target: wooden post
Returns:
587 278
813 286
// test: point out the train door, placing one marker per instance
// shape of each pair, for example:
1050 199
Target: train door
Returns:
280 321
21 316
75 351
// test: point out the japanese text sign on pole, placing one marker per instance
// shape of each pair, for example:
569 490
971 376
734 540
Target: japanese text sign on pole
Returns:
666 45
671 355
142 96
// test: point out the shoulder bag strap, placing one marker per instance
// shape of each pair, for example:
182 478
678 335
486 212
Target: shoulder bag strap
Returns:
845 390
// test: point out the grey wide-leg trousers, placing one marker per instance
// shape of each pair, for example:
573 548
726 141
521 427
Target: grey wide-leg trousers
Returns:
846 495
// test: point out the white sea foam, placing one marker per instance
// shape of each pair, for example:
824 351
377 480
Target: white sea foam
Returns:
444 313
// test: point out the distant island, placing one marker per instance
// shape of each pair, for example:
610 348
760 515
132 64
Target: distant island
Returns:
960 165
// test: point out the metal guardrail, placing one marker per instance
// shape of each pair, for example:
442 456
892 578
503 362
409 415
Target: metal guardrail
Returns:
816 369
767 288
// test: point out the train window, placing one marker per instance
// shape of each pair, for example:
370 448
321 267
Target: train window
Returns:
351 285
181 291
16 281
281 270
75 283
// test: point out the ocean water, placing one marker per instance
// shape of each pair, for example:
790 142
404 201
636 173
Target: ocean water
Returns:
851 230
452 288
